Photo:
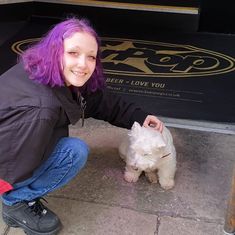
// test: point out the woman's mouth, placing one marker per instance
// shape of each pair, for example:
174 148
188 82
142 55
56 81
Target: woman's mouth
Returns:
78 73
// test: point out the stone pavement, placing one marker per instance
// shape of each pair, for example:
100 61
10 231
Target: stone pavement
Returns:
99 202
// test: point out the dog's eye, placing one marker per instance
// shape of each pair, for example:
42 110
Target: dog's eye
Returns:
146 154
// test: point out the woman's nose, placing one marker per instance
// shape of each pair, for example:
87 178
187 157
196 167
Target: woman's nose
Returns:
81 61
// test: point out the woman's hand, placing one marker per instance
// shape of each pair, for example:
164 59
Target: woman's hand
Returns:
153 122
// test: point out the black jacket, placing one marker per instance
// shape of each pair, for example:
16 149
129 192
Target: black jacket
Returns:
33 117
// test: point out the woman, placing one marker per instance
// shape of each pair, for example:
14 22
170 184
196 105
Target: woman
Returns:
57 81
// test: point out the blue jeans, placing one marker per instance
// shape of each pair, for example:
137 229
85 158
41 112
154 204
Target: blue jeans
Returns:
67 159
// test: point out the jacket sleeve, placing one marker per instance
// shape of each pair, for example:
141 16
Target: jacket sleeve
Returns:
24 140
113 109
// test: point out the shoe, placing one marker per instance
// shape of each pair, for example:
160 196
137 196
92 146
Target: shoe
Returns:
33 217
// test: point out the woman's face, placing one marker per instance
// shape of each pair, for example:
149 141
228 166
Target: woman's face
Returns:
79 59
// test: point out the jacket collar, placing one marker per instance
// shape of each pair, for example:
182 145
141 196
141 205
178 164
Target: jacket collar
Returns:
71 107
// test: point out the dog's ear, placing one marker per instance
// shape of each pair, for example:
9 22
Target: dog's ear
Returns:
135 129
136 126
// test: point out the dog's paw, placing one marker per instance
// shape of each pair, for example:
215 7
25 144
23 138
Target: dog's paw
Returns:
152 177
131 177
167 183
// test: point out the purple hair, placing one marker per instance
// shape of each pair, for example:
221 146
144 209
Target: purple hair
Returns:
43 60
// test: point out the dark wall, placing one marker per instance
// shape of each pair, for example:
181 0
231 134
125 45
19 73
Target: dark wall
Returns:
139 21
217 16
16 11
118 19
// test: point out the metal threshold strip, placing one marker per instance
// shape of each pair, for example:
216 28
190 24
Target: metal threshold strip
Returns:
129 6
209 126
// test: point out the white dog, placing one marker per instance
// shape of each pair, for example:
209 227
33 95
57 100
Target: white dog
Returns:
147 150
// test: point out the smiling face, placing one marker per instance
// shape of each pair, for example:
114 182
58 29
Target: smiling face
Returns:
79 58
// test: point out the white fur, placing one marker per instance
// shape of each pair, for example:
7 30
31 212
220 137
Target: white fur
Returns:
147 150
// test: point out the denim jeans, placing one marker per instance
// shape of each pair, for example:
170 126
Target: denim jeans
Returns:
67 159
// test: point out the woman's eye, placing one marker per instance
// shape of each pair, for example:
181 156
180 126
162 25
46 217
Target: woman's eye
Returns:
73 53
92 57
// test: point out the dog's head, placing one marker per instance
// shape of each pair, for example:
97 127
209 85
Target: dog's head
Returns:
146 142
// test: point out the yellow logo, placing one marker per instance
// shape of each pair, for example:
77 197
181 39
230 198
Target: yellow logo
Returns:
157 59
138 58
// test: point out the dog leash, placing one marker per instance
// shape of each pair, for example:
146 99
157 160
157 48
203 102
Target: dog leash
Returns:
161 157
166 155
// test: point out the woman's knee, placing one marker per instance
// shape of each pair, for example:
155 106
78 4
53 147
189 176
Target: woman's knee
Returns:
77 148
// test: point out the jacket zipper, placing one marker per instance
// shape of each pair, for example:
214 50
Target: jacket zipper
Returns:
82 102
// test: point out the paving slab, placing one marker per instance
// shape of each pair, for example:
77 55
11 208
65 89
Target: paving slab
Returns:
205 163
99 201
85 218
3 227
181 226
